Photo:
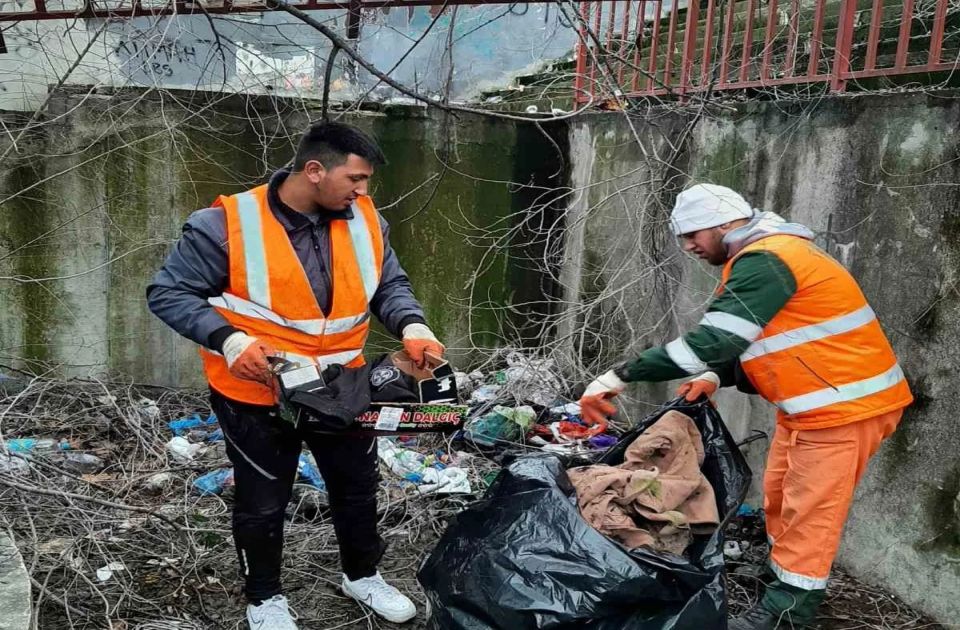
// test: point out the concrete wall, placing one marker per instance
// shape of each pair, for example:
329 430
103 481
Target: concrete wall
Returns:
878 179
91 203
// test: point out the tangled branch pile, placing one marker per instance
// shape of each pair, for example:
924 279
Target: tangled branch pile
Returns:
112 550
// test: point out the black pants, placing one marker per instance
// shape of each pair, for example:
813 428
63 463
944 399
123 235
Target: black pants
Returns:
264 451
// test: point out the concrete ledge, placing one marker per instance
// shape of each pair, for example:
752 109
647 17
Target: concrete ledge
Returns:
15 601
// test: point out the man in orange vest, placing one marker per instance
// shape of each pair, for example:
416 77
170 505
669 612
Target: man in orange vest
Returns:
789 323
294 268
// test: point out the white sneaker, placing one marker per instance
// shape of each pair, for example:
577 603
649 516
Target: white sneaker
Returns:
271 614
382 598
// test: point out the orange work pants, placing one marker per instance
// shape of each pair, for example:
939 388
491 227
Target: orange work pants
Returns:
808 487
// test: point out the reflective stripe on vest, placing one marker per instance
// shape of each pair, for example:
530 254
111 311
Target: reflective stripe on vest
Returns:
814 332
321 326
254 249
842 393
838 369
363 250
269 295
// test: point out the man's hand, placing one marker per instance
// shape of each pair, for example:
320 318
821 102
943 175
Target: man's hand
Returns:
704 385
595 405
247 358
418 340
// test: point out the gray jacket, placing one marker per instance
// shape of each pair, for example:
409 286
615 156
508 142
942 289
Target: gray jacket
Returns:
197 268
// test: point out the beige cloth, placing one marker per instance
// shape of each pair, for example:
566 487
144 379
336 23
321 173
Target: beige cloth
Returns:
657 497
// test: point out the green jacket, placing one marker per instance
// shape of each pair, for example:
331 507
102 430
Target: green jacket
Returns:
760 284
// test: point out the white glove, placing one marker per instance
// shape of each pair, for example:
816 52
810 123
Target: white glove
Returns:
246 358
418 340
234 345
608 382
418 331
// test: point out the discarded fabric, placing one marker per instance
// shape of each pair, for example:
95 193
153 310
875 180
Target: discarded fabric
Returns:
524 557
658 497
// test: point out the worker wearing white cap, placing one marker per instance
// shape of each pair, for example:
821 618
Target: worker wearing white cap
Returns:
789 323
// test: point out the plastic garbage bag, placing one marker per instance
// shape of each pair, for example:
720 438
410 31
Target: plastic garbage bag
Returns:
523 557
307 470
214 482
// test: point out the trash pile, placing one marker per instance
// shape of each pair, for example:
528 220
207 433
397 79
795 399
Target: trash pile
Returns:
119 499
525 404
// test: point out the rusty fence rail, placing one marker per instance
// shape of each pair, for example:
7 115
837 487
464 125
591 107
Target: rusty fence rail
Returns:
682 47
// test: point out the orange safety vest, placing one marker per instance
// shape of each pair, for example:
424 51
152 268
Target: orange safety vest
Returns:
823 360
269 296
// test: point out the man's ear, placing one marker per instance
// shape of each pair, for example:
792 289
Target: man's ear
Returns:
314 171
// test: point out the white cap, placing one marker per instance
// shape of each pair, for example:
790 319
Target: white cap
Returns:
705 206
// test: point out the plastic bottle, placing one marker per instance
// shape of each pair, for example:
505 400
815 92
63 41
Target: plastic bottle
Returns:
27 445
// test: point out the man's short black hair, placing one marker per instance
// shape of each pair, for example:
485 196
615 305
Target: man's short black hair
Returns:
331 142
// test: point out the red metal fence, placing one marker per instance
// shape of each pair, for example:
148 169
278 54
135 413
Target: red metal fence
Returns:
681 47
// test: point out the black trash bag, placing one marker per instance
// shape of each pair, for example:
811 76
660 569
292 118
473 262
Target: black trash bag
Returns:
523 557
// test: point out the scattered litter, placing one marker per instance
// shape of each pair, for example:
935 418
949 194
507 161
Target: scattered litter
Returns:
531 109
428 473
732 550
183 426
467 383
13 465
532 380
148 409
182 450
158 483
485 393
214 451
68 538
29 445
83 463
105 573
214 482
307 468
501 424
